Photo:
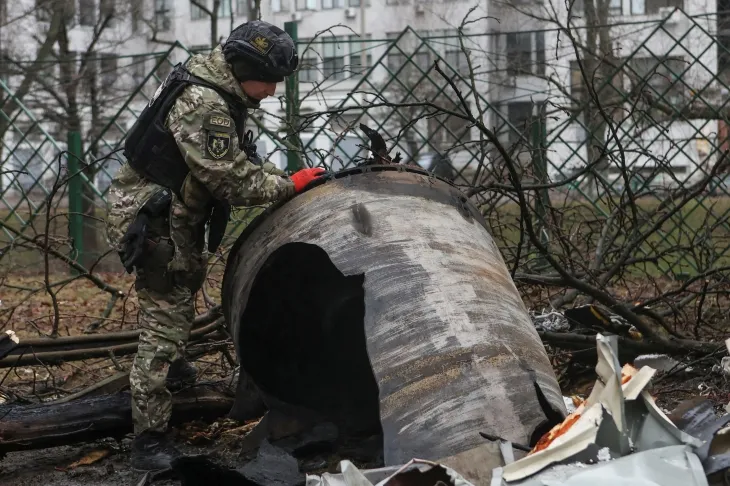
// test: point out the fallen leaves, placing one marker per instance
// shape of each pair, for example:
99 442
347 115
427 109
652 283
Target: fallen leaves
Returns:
227 431
90 458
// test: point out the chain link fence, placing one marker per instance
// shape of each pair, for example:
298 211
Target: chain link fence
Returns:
620 150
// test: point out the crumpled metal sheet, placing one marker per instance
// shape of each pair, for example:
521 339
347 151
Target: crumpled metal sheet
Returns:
414 473
617 437
666 466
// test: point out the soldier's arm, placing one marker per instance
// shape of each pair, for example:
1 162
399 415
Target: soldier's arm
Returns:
206 136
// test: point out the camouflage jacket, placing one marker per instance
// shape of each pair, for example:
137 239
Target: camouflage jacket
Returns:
205 134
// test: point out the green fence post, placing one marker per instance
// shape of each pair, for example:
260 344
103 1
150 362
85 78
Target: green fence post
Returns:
292 107
76 219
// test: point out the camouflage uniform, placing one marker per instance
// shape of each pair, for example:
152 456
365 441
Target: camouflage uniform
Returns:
174 267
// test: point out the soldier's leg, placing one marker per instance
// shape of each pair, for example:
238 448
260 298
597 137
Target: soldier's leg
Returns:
165 318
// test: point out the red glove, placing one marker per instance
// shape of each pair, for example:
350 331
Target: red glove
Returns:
305 176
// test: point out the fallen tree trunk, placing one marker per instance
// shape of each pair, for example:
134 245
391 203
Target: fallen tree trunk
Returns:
90 341
50 356
87 419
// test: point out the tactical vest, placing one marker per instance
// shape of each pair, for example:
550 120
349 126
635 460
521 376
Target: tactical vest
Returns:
152 152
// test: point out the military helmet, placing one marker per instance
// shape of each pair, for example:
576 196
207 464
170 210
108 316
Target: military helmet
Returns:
260 51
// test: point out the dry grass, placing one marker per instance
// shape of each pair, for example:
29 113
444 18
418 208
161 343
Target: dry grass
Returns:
27 309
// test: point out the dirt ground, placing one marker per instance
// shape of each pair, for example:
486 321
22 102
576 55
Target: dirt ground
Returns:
221 440
55 466
25 308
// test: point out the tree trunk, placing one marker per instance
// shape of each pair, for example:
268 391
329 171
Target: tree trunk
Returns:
214 24
87 419
254 9
595 69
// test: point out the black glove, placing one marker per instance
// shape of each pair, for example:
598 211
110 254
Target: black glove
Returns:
134 242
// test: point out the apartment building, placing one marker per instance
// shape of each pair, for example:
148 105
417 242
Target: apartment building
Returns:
515 47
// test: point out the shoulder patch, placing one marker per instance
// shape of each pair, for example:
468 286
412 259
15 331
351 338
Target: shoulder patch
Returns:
218 122
217 144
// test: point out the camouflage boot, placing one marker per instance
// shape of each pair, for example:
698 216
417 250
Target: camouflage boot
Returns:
181 373
152 451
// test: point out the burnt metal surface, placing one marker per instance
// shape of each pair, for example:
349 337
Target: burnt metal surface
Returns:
410 271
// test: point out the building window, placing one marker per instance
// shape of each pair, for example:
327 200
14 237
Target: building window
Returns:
108 71
276 6
638 7
454 56
520 57
396 59
163 11
306 4
659 77
87 15
136 13
197 13
69 13
723 57
92 68
163 69
653 6
540 53
333 55
328 4
357 46
577 87
519 115
615 7
4 66
519 53
308 63
43 10
224 9
106 10
575 7
138 68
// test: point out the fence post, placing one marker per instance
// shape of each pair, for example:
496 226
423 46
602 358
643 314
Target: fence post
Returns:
292 107
76 218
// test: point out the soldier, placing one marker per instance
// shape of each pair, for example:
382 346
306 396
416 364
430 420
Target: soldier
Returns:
188 161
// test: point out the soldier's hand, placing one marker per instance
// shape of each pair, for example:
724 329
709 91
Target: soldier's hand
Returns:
302 178
134 242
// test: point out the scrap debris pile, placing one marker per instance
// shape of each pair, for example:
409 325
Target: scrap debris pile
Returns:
617 436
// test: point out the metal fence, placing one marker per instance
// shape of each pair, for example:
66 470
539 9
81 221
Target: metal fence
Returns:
626 136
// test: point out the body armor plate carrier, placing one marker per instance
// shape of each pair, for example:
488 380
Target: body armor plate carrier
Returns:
152 151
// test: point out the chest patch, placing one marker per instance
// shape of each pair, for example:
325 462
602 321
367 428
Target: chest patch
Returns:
218 144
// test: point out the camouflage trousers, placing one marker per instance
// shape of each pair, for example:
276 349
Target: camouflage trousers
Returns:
166 317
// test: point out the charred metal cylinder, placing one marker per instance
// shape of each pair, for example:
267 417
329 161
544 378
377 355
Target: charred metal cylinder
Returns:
379 297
